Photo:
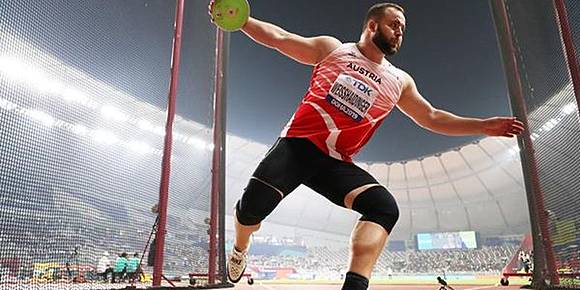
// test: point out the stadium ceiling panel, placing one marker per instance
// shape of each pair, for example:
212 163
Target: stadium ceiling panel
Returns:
425 219
454 165
313 215
420 197
453 219
397 176
444 194
487 217
433 170
339 219
403 226
381 172
470 189
415 174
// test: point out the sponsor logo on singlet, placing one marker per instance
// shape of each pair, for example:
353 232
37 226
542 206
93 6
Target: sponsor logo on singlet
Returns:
351 96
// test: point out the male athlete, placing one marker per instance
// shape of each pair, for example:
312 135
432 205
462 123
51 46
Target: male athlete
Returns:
353 88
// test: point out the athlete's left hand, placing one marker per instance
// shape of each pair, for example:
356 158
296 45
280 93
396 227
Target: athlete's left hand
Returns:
210 9
503 126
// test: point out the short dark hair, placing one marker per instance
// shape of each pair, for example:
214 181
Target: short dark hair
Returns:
376 11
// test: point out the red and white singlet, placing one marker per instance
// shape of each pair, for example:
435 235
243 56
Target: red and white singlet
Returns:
348 98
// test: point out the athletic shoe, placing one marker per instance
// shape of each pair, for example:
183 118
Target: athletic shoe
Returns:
237 265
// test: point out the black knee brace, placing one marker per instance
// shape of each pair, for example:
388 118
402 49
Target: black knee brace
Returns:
377 205
257 202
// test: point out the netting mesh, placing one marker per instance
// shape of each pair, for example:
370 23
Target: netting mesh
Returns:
83 95
573 11
555 129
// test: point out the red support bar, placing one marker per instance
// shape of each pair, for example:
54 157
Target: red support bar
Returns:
166 163
528 151
218 142
571 56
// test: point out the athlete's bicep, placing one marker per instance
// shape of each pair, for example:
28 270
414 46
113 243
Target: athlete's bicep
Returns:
413 104
306 50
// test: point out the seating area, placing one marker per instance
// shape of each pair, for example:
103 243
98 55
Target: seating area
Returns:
321 259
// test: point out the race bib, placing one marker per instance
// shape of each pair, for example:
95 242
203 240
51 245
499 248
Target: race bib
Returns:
351 96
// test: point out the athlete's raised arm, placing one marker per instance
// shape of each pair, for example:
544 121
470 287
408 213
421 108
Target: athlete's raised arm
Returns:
306 50
443 122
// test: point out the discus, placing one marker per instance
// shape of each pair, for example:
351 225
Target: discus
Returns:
230 15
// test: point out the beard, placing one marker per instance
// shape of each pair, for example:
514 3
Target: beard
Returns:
387 47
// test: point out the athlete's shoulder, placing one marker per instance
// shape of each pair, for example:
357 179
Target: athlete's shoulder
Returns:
404 76
327 45
330 41
409 80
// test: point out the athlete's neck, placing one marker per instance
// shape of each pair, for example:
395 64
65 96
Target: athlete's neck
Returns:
370 51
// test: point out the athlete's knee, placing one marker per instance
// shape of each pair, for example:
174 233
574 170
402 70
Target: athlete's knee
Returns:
377 204
257 202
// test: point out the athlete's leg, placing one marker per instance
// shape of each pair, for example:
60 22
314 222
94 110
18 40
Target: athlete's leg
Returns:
367 241
366 244
349 186
380 213
288 163
243 234
285 167
257 202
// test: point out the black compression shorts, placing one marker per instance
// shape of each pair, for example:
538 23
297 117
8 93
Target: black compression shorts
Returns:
294 161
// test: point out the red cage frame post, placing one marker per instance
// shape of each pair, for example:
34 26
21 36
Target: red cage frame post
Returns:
569 48
527 155
218 161
166 163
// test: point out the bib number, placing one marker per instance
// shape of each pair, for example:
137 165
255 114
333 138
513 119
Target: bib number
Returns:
351 96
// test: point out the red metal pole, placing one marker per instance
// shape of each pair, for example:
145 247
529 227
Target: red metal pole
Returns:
570 49
166 163
218 143
528 148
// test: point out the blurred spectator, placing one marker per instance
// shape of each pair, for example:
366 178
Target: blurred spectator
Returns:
324 260
104 267
120 268
132 266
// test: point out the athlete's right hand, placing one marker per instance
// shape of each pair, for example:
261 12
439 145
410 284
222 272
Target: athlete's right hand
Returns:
502 126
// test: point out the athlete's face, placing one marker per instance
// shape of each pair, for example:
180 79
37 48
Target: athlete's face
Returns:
388 35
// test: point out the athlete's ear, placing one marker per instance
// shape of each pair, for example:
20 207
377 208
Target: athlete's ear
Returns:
372 25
